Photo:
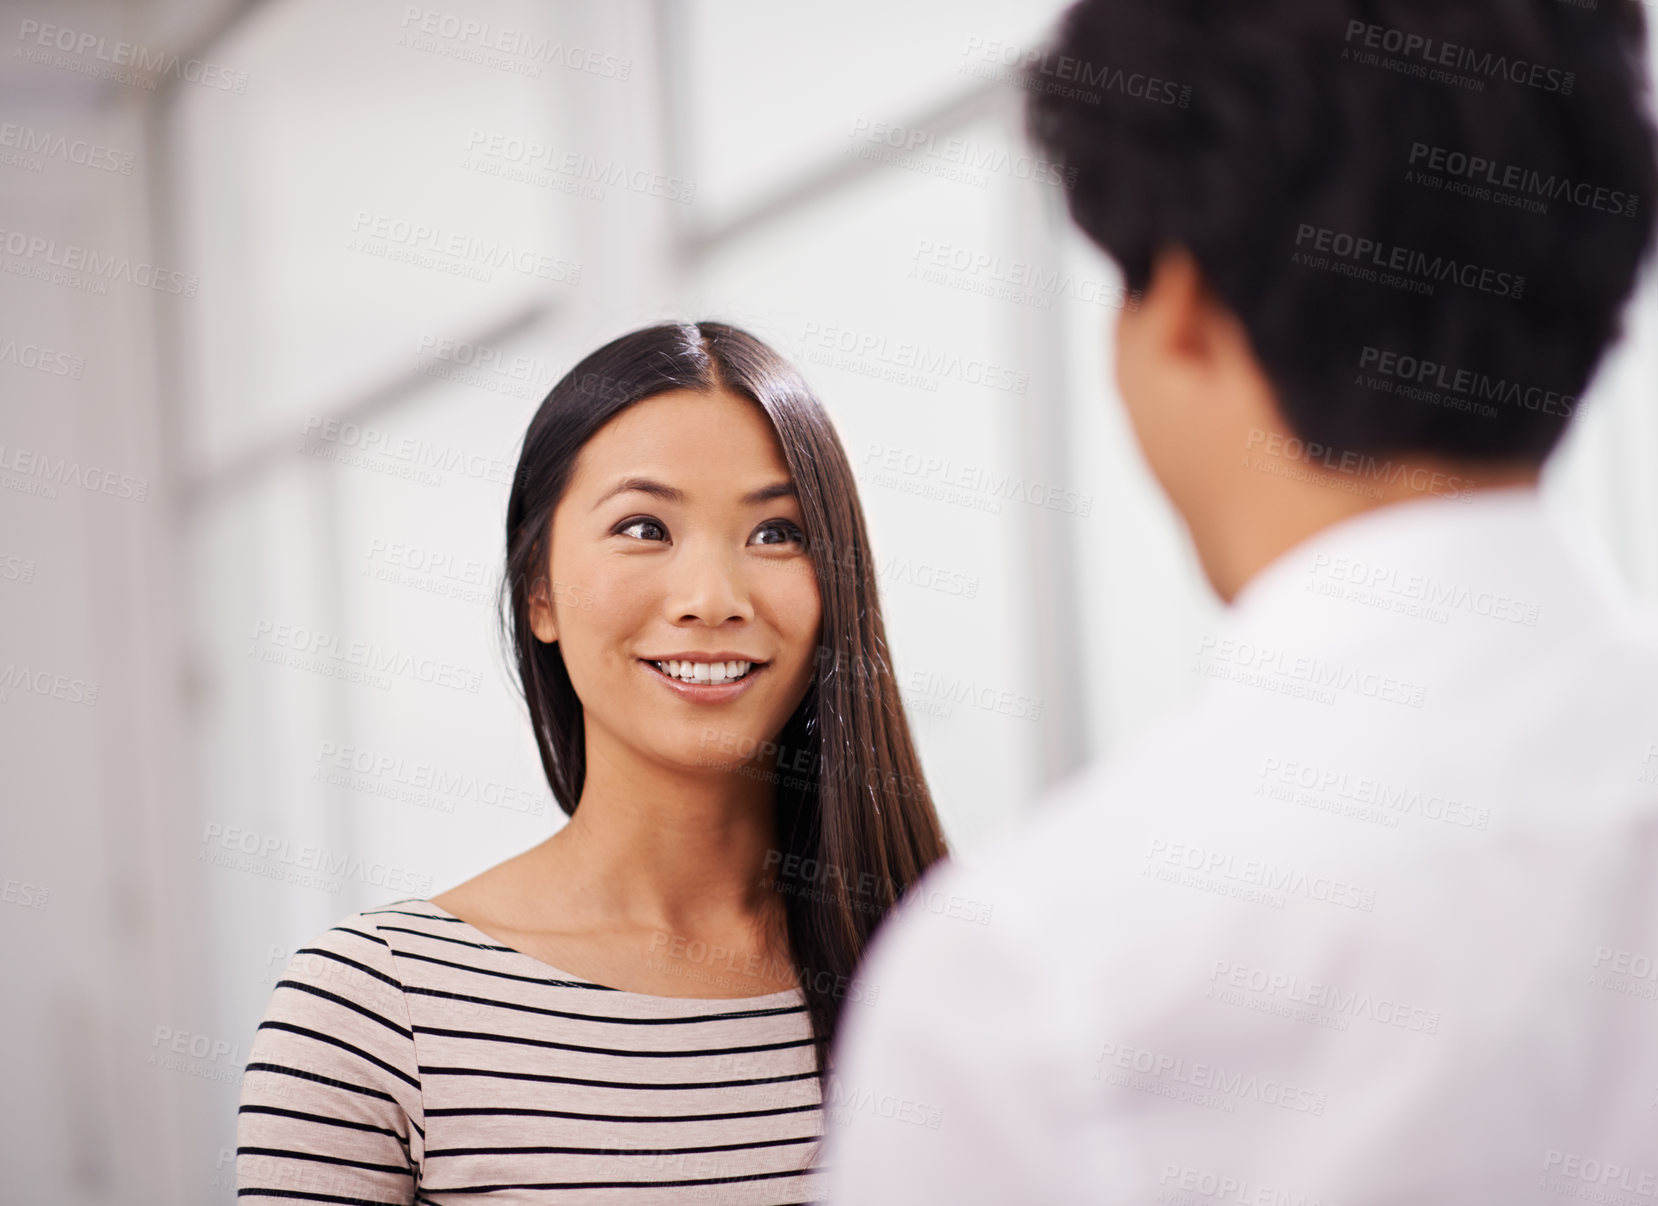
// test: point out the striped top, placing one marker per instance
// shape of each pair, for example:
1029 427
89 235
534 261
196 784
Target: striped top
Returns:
407 1057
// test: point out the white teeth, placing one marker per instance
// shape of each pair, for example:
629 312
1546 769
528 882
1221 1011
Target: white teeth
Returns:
704 672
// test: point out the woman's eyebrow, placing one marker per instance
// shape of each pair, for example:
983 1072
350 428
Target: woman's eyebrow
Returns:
767 493
642 485
656 489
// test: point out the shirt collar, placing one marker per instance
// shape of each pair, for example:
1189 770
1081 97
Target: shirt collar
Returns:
1429 579
1387 547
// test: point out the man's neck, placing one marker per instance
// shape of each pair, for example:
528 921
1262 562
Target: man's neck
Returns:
1250 532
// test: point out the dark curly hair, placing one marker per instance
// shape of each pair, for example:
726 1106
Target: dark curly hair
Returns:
1427 214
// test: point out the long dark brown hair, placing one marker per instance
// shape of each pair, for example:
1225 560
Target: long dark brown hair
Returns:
855 825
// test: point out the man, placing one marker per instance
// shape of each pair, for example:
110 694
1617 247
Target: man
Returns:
1376 921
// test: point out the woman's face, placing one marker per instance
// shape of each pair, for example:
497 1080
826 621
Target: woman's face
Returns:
679 547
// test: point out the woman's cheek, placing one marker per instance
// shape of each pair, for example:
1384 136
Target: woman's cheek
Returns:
799 613
613 598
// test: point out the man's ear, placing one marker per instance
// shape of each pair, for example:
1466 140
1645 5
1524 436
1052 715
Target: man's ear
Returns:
1156 340
1200 346
1187 313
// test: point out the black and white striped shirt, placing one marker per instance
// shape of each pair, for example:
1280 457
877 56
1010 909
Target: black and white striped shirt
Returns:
407 1057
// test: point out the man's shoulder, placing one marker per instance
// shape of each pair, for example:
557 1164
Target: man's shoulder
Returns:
1058 840
1006 904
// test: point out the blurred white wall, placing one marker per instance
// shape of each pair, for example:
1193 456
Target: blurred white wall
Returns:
294 437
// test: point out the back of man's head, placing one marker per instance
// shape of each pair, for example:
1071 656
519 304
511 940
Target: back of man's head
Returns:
1426 214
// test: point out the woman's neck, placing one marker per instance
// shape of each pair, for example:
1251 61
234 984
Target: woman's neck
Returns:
651 846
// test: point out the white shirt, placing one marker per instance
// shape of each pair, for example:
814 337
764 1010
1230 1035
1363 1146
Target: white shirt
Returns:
1375 921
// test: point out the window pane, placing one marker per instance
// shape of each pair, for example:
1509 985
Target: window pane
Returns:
774 90
332 212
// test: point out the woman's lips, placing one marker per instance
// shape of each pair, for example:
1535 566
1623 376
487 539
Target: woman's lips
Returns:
710 692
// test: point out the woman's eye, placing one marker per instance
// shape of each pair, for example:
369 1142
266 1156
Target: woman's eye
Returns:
641 529
786 532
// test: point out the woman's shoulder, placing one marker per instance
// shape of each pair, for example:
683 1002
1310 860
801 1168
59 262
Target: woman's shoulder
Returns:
331 1096
354 963
371 947
412 961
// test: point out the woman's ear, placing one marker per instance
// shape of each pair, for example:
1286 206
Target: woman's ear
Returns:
542 622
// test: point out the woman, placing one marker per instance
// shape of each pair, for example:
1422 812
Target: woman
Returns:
638 1009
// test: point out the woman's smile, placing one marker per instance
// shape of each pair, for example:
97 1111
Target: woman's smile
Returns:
705 678
685 530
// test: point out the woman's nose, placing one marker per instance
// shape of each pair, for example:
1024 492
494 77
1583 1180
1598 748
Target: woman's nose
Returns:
709 588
